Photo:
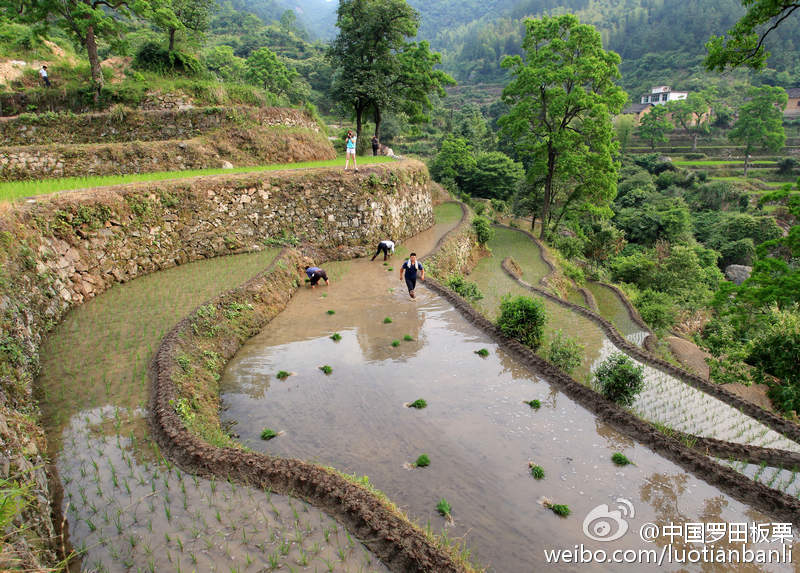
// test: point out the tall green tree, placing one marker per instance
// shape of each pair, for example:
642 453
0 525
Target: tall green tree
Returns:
744 43
264 68
655 125
561 99
376 67
760 122
693 114
183 16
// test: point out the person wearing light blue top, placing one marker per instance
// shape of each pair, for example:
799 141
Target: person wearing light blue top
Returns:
350 144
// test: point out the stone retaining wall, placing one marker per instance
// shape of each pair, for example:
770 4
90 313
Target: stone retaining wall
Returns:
142 125
58 250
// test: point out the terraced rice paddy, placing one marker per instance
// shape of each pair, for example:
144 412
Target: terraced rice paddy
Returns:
127 508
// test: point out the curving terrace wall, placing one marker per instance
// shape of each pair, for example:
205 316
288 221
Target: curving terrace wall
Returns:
56 251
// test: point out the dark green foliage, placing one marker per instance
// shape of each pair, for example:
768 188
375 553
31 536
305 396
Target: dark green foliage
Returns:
408 338
535 404
282 375
523 318
326 369
419 403
155 58
741 252
620 379
469 290
537 472
483 353
494 176
565 352
620 459
559 509
483 229
655 218
423 461
443 507
336 337
268 434
395 343
331 312
387 320
657 309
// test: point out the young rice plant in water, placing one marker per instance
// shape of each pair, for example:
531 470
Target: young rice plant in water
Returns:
419 403
620 459
620 379
523 318
423 461
268 434
535 404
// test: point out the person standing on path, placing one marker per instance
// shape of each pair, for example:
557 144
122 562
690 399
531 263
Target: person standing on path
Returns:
409 269
315 274
45 77
387 247
350 150
375 145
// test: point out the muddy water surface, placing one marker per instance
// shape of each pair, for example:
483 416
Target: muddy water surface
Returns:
477 431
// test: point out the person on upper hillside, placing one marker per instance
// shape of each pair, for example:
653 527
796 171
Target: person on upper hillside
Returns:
315 274
350 150
45 77
387 247
375 145
410 269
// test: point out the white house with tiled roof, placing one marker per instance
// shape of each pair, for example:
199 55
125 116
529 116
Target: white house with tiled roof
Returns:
793 105
663 94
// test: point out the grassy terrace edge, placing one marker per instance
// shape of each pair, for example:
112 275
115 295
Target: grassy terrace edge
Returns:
197 443
18 190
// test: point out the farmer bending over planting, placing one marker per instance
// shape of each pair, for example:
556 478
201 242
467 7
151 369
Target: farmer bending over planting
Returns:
316 273
409 269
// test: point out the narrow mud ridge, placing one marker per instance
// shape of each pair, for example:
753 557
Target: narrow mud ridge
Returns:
769 501
401 545
782 426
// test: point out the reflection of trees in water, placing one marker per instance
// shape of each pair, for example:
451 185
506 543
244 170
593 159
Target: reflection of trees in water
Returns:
615 440
375 338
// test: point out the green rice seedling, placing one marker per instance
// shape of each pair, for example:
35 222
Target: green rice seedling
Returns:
284 547
535 404
558 509
274 561
336 337
419 403
423 461
331 312
536 471
483 353
620 459
268 434
408 338
390 269
395 343
326 369
385 264
387 320
282 375
444 508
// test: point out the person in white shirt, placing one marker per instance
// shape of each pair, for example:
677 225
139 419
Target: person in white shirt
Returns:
45 78
387 247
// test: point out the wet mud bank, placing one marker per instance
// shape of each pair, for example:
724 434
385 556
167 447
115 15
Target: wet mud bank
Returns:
401 545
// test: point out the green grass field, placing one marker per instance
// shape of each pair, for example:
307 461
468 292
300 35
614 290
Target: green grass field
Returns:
14 190
715 162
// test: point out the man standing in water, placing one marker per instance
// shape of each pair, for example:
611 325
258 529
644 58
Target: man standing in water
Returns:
315 274
410 268
387 247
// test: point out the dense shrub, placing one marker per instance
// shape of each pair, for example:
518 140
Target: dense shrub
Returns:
565 352
739 252
465 288
775 350
657 309
494 175
620 379
569 245
523 318
155 58
483 229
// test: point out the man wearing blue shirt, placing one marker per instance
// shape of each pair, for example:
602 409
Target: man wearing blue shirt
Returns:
409 269
315 274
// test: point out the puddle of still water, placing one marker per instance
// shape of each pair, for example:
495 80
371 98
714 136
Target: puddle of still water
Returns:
477 431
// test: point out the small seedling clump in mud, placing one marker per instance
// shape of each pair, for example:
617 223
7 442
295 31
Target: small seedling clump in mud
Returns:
385 264
483 353
408 338
336 337
419 403
390 269
537 471
282 375
620 459
559 509
535 404
326 369
443 507
395 343
423 461
387 320
331 312
268 434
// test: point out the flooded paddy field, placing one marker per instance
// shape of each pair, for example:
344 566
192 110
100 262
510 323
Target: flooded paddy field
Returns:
477 431
126 507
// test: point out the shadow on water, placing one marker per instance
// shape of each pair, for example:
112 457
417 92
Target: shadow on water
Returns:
477 431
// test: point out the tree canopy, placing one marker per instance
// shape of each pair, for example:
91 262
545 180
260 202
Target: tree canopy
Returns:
655 125
561 99
760 122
